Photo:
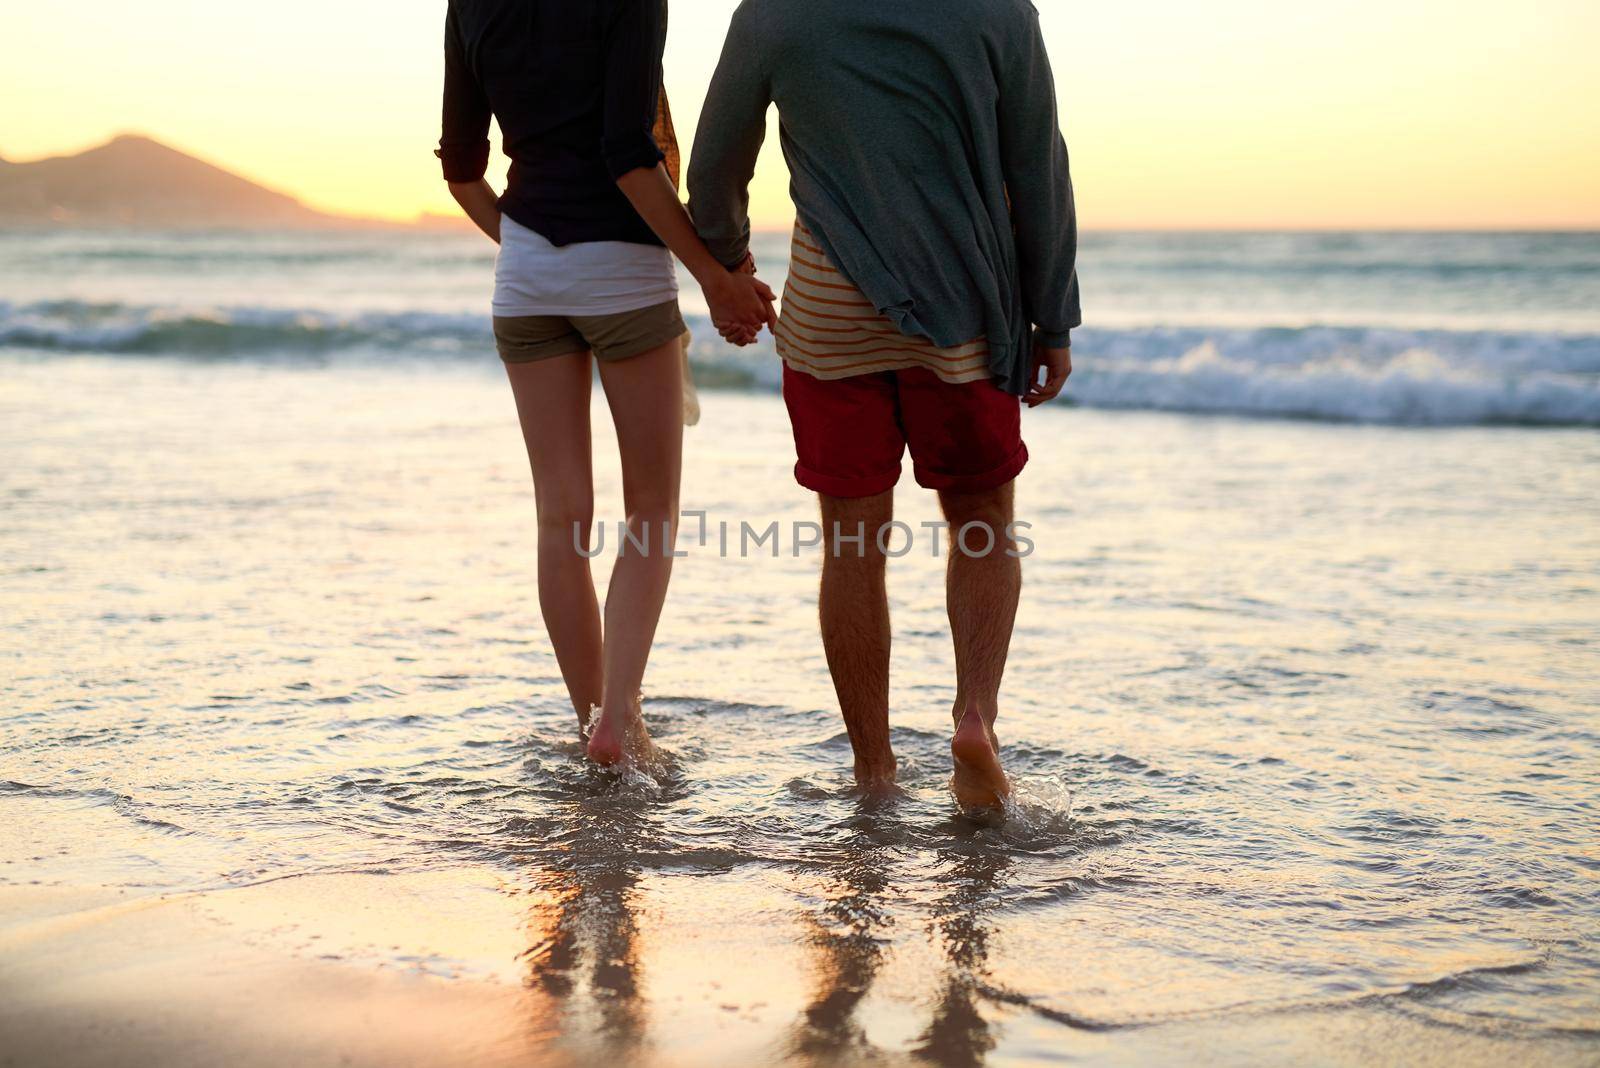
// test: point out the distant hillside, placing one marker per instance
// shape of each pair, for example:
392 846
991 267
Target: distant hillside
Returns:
136 182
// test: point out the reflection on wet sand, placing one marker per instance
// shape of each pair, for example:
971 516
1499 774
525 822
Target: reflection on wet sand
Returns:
850 934
584 951
589 964
847 936
959 1035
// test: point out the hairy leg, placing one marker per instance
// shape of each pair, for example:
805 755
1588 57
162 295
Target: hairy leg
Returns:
645 394
553 405
983 585
854 606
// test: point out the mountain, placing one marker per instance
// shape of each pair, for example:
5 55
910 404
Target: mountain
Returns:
136 182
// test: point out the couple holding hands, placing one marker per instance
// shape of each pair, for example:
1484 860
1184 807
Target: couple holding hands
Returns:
931 293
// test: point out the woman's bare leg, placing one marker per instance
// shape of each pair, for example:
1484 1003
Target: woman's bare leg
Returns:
553 406
646 398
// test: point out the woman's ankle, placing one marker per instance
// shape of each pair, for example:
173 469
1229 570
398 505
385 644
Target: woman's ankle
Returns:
621 711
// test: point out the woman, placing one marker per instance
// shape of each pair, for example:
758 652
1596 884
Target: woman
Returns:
584 273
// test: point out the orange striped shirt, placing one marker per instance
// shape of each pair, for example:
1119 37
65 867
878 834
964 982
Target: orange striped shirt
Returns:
828 329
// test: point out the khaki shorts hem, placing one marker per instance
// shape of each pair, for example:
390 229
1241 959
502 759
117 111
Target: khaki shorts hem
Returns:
614 337
567 345
643 344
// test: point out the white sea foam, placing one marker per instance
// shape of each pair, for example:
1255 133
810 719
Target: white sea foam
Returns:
1416 386
1376 374
1422 378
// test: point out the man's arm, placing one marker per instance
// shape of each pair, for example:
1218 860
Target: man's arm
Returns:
464 142
1039 180
733 125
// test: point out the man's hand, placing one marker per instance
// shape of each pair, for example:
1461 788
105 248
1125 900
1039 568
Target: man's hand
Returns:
741 304
1054 366
740 336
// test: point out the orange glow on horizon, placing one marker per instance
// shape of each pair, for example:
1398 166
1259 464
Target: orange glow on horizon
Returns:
1246 114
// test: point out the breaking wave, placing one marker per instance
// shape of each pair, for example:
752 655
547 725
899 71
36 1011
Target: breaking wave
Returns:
1337 373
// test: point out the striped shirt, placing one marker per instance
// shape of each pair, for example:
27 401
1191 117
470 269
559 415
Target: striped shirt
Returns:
829 330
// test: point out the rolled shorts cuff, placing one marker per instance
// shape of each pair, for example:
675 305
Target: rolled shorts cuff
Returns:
849 487
613 337
981 482
646 335
531 338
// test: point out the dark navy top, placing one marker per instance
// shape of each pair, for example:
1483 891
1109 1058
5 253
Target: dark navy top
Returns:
574 87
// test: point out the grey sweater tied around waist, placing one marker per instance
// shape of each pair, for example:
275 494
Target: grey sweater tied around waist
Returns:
924 152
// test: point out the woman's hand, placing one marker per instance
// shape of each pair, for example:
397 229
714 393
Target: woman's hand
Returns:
741 304
742 337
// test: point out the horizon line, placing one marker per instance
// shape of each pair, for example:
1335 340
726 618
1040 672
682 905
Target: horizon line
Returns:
426 215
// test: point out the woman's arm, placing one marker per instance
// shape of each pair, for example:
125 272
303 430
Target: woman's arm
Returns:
740 304
736 299
464 142
482 206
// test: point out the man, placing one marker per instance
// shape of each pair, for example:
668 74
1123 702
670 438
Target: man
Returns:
933 285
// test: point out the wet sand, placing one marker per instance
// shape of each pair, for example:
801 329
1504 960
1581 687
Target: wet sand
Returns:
107 978
458 968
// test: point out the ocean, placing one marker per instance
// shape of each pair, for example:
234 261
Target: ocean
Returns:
1404 328
1304 702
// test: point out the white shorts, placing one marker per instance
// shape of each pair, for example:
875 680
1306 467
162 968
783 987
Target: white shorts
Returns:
534 277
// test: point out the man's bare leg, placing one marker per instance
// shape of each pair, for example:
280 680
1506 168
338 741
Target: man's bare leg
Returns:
983 585
855 629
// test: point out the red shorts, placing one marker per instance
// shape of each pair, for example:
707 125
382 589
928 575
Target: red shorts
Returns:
850 433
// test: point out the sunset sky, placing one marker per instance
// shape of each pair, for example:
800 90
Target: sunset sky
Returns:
1236 113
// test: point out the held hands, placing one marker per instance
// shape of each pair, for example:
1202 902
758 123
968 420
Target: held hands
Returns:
741 304
1055 367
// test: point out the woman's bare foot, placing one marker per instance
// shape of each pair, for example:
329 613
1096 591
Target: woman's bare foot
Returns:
979 780
621 737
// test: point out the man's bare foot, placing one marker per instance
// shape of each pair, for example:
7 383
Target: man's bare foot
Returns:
620 737
877 778
979 780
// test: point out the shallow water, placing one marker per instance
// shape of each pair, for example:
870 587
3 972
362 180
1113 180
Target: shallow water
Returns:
1306 718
